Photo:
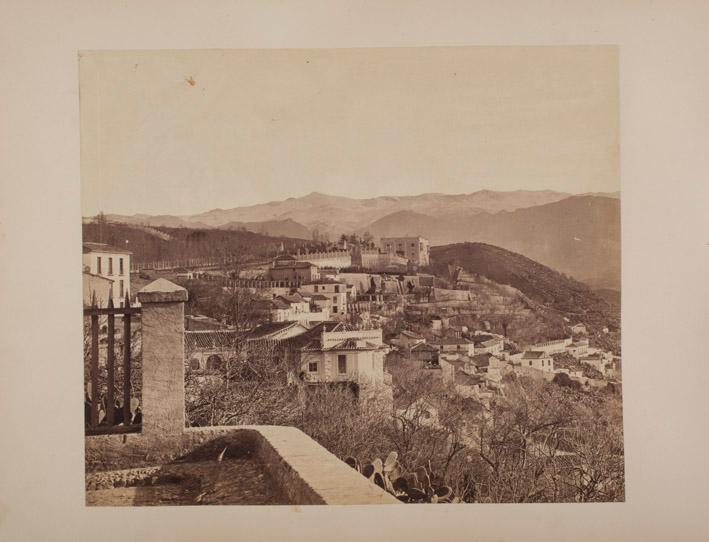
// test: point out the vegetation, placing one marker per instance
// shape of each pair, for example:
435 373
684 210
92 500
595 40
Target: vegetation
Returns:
551 296
538 282
182 243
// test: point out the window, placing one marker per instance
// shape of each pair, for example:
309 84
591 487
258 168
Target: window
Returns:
342 364
530 362
334 299
120 285
334 308
120 266
313 367
337 289
315 288
110 266
98 265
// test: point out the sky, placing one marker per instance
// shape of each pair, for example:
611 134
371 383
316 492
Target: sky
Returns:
182 132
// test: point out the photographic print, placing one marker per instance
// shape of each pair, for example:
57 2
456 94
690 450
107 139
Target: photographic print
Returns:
351 276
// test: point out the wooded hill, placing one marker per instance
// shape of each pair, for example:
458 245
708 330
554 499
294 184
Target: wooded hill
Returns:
170 244
538 282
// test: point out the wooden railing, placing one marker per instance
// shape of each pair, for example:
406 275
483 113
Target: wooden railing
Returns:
130 422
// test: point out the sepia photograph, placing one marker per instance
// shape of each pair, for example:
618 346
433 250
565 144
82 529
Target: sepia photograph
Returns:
351 276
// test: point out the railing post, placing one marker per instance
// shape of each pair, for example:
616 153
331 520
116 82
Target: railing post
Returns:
126 364
163 392
94 370
110 353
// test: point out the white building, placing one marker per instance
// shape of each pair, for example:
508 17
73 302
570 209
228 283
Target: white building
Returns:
328 294
455 345
332 353
552 347
407 339
292 308
540 361
578 348
111 263
597 361
97 289
415 249
579 329
488 344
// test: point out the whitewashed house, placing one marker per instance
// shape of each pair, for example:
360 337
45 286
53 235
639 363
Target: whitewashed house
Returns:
333 353
112 263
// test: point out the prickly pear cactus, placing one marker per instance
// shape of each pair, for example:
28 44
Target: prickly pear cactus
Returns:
413 487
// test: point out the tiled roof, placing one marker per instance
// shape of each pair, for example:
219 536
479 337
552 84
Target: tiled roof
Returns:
98 276
271 329
270 304
293 264
453 340
482 360
102 247
424 346
211 339
351 344
324 281
534 354
311 339
292 298
466 379
411 334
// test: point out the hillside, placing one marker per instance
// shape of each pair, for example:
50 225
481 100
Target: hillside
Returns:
273 228
579 235
182 243
338 214
542 285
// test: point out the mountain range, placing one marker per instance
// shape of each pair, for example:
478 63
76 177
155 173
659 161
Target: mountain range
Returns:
575 234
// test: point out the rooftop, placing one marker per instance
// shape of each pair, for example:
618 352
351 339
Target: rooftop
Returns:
324 281
452 340
102 247
424 347
210 339
293 264
98 276
292 298
534 354
272 330
482 360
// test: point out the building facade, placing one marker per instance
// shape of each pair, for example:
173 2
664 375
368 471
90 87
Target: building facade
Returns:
332 353
414 249
97 289
537 360
288 268
327 294
111 263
